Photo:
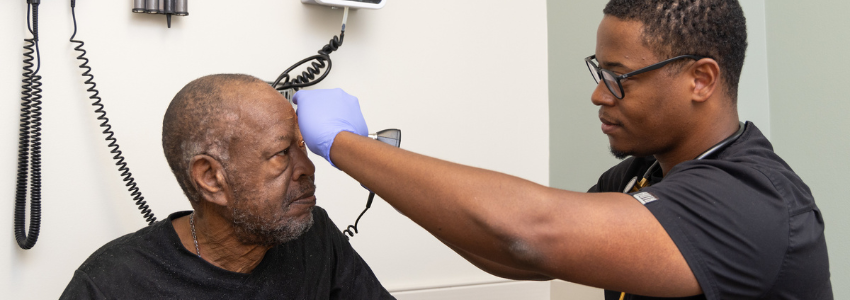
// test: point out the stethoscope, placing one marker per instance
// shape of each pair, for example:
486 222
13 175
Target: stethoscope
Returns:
634 185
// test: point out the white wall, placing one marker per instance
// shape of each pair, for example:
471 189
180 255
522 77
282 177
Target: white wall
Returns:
463 80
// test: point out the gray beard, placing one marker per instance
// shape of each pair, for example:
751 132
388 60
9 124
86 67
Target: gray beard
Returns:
252 229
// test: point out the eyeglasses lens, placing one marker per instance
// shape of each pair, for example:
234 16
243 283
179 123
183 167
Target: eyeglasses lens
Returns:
611 83
593 71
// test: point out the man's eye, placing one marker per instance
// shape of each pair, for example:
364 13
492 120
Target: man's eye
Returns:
284 152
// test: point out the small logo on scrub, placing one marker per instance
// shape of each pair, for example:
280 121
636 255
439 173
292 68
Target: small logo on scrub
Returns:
645 197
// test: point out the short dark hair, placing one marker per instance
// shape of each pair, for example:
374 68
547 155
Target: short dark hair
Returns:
196 123
710 28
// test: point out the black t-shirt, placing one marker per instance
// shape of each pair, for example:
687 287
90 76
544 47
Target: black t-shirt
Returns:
153 264
746 224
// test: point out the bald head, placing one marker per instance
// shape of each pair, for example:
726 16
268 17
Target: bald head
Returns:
203 118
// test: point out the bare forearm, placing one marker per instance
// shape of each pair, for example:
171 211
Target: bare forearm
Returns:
477 210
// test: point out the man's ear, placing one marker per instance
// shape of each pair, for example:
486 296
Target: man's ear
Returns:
208 177
706 79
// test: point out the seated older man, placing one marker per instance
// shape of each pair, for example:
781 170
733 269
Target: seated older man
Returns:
254 233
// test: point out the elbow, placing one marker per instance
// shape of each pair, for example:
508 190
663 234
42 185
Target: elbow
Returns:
532 247
525 254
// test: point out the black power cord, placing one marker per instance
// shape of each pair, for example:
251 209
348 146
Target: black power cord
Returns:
110 135
29 143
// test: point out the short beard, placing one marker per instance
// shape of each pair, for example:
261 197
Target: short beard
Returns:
621 155
252 229
257 228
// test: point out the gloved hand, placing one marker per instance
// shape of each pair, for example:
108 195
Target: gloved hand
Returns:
322 114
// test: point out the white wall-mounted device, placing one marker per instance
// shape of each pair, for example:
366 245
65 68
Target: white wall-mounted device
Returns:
369 4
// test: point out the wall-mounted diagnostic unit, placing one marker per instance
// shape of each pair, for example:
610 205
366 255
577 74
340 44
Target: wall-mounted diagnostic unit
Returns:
369 4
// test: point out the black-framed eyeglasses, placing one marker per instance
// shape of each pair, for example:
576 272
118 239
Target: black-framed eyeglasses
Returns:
612 80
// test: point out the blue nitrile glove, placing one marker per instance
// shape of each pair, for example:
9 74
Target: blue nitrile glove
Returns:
322 114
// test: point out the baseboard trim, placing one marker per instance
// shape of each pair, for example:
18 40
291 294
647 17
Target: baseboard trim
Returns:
502 290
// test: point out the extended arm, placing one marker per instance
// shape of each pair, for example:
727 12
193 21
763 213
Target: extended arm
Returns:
605 240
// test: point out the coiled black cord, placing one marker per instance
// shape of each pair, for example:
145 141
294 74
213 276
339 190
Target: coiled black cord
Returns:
29 142
308 77
354 227
110 135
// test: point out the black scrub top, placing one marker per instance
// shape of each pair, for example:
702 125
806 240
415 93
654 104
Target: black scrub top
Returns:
746 224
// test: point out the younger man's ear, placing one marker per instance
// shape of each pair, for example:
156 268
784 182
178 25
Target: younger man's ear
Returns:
706 77
207 174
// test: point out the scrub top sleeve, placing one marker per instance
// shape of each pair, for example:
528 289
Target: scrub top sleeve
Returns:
729 223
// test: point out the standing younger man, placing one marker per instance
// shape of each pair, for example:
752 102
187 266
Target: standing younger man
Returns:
702 207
